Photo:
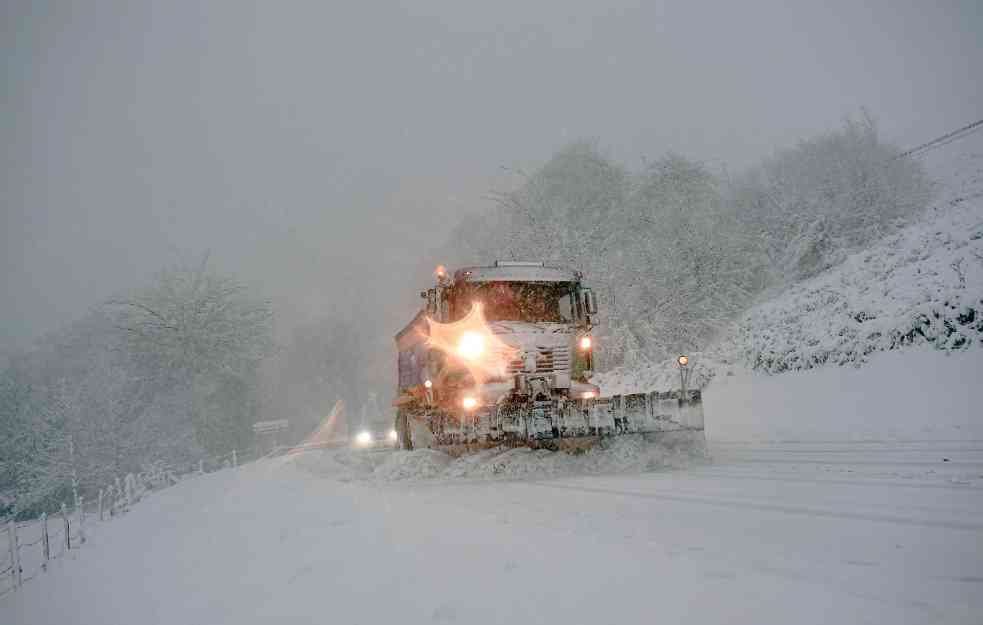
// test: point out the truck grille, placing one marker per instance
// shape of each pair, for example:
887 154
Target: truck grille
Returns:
550 359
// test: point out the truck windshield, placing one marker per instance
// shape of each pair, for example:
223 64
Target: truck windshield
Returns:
518 301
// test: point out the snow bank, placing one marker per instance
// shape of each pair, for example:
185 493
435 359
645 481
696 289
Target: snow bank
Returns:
626 454
663 376
917 394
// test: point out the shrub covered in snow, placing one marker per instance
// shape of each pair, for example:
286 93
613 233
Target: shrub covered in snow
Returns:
924 285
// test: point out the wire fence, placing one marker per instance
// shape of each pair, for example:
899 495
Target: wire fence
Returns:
28 548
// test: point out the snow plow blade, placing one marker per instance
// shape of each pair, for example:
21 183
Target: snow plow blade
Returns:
564 425
650 412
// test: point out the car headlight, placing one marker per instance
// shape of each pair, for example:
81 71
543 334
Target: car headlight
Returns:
393 435
364 438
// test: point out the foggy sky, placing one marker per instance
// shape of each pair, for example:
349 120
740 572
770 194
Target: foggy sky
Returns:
319 149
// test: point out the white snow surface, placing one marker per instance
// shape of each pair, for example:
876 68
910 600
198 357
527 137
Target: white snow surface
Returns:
631 454
872 533
799 521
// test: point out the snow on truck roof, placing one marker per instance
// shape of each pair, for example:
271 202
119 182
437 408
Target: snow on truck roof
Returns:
516 271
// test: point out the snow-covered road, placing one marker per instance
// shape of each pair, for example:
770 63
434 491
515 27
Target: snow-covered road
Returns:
782 533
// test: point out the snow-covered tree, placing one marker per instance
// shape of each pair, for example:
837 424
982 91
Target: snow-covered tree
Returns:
676 252
828 196
162 375
200 334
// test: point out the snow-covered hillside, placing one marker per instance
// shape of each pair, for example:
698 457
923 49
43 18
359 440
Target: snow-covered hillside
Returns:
922 286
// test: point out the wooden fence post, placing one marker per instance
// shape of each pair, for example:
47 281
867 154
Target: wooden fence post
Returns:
81 513
68 532
235 461
14 553
45 545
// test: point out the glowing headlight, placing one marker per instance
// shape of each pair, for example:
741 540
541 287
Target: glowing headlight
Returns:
471 345
469 403
427 383
588 395
585 343
364 438
393 435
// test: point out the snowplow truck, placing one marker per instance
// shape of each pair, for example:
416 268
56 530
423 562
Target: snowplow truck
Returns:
504 355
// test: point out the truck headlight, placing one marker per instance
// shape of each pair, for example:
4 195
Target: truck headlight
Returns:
471 345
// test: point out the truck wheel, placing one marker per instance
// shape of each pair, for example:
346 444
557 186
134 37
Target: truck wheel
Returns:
403 430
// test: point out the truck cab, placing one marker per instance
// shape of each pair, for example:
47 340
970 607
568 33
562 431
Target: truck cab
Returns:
532 333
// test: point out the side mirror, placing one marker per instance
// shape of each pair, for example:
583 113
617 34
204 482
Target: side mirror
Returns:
590 303
431 296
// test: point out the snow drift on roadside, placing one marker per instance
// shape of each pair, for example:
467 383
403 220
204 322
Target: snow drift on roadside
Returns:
627 454
915 394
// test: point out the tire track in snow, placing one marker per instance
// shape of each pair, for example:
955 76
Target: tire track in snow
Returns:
879 483
771 507
730 459
860 450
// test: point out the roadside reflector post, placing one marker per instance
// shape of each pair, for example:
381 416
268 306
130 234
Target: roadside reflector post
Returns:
68 533
12 545
81 512
201 467
235 460
100 506
45 546
684 371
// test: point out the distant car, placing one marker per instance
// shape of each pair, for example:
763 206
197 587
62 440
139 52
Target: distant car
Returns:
367 438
